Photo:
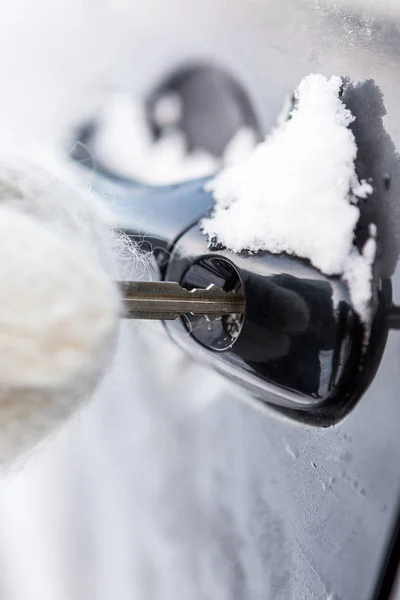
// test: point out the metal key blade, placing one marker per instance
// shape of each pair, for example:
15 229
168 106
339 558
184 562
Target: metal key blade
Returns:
167 300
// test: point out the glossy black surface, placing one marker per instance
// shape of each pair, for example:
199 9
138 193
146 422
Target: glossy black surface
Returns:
154 217
218 334
300 346
205 90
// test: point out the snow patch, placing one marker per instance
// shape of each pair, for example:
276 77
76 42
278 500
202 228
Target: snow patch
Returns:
124 142
298 192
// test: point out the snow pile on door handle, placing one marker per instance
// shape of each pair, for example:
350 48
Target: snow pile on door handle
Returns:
298 192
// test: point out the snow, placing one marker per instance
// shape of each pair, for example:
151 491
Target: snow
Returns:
123 141
298 192
168 110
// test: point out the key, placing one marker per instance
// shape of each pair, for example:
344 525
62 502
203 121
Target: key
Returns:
167 300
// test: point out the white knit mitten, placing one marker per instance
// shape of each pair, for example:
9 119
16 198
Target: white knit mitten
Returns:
59 305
